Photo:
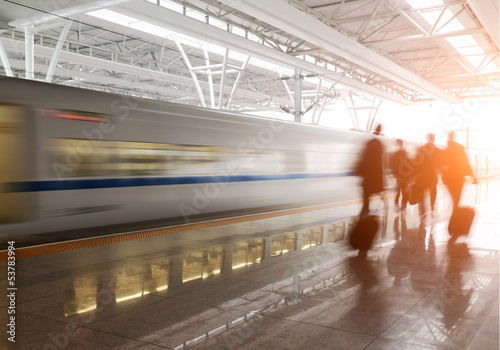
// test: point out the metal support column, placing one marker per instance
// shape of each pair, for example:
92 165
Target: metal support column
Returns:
57 51
5 61
352 112
298 95
237 81
374 110
193 74
29 51
316 99
223 78
210 80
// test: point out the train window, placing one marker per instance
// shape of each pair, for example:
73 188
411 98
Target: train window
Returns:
291 161
313 161
82 157
336 162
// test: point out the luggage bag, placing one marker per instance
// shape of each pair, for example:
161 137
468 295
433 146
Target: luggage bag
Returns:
461 221
364 232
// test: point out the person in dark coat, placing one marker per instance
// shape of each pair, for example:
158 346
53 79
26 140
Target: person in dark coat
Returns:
456 168
428 164
399 168
371 170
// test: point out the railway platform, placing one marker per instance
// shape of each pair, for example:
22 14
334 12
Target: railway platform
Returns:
282 280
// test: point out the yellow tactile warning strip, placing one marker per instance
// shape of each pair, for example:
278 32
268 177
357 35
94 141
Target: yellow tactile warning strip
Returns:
58 247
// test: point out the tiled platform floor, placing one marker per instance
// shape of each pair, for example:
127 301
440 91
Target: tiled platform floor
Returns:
289 282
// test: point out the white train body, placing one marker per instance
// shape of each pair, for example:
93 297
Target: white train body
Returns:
72 158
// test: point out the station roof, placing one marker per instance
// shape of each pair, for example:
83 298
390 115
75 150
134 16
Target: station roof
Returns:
245 55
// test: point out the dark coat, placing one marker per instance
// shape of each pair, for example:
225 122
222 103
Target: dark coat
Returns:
456 164
400 165
428 164
370 167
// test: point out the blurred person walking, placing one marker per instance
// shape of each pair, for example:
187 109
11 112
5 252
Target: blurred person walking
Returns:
455 168
428 162
399 165
371 170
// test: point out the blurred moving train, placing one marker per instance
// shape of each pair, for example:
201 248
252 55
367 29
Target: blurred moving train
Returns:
73 158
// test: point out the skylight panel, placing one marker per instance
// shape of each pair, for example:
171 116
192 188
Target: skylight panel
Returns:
213 21
483 64
130 22
470 51
466 45
432 15
424 3
310 59
462 41
112 16
169 5
196 15
453 25
238 31
490 68
150 28
476 60
253 37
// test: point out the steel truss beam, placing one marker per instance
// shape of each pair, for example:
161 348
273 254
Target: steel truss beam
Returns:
155 14
354 109
404 39
321 35
5 61
193 74
66 13
15 47
57 51
276 45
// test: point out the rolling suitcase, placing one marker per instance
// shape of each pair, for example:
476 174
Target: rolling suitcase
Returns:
461 221
364 232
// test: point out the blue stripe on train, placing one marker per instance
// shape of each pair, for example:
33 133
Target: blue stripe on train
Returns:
64 185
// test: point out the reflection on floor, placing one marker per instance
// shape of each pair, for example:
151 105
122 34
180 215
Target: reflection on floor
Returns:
283 283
